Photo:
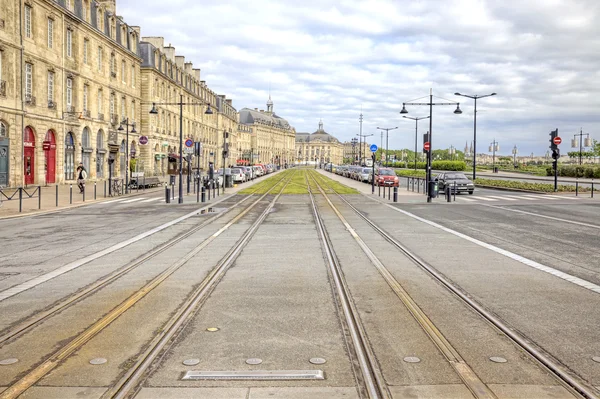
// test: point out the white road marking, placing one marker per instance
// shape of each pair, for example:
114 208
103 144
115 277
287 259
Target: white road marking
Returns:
486 199
133 200
502 198
594 226
563 197
540 197
521 197
111 202
17 289
153 199
468 199
528 262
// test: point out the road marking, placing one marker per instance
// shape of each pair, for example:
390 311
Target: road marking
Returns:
486 199
563 197
17 289
468 199
153 199
540 197
502 198
594 226
112 201
521 197
528 262
133 200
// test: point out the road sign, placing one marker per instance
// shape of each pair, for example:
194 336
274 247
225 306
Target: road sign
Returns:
143 140
189 143
426 146
373 148
557 140
188 150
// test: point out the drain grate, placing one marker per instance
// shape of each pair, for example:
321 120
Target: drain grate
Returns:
255 375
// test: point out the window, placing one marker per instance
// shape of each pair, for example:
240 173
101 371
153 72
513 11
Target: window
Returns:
100 99
99 15
69 93
112 104
50 88
28 30
3 130
132 115
86 43
69 43
123 72
85 97
28 80
99 59
123 110
50 32
113 65
70 5
133 76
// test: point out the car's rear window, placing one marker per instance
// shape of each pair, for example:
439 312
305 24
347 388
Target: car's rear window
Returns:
456 176
386 172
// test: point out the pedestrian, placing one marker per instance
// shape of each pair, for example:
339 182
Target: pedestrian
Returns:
81 176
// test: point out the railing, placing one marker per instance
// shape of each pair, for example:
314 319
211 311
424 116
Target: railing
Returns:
29 99
86 113
3 88
36 193
70 109
51 105
418 182
114 119
100 116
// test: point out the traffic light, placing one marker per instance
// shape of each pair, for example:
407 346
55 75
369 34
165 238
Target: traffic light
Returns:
555 153
553 135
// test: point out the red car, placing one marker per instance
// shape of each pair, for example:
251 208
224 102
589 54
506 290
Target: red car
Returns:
386 177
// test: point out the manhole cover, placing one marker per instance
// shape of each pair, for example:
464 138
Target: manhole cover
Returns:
498 359
412 359
254 361
6 362
212 329
317 360
191 362
98 360
596 359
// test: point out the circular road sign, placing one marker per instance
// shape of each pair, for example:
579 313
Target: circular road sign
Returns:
373 148
143 140
189 142
426 146
557 140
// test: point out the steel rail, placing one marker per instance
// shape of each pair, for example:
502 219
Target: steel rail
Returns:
33 376
573 383
471 380
375 385
129 383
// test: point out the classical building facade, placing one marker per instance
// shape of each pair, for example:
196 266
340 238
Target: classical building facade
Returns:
272 137
63 98
318 147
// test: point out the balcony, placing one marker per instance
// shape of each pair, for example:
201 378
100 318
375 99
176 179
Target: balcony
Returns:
100 116
29 99
70 109
114 119
113 74
86 113
2 88
51 104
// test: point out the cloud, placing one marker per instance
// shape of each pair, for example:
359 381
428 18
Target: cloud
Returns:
330 59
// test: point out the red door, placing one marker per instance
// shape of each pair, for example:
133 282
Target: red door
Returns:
50 156
29 156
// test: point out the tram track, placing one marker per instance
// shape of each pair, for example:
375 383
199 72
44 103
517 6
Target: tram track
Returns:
204 288
567 378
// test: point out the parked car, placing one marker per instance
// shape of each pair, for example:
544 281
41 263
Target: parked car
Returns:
249 172
258 171
219 175
385 177
363 174
455 180
239 176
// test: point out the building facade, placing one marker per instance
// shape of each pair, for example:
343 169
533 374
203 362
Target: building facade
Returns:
63 97
272 137
318 147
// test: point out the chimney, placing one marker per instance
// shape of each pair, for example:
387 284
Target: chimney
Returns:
180 61
109 5
189 67
197 74
156 41
136 29
169 52
228 101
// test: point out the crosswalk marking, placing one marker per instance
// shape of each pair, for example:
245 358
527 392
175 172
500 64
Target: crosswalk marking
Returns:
561 197
502 198
522 197
486 199
111 202
153 199
133 200
540 196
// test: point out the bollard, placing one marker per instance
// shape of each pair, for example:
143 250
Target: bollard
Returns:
447 194
455 191
418 185
395 194
173 191
39 197
84 193
213 188
144 186
56 195
204 194
104 188
70 193
592 188
20 199
379 190
123 188
389 193
407 183
197 183
576 188
95 189
167 195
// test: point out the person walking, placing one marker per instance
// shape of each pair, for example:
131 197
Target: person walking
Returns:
81 176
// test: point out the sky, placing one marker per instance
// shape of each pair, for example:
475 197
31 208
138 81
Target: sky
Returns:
332 60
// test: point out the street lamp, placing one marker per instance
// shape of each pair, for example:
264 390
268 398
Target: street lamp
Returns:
582 144
515 151
154 111
431 104
416 128
451 152
474 97
225 151
362 154
127 124
494 146
386 141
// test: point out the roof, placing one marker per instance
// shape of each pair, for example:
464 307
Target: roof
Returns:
318 135
249 116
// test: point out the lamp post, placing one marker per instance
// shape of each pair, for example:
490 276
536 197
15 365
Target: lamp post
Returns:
430 104
494 146
474 97
515 151
127 124
451 152
416 128
154 111
582 144
225 151
361 153
353 141
386 141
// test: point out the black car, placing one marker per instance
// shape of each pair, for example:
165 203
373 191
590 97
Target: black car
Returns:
455 180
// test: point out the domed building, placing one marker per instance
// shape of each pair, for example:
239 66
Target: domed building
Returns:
318 147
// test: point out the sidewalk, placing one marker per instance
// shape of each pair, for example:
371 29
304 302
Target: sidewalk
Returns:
59 197
404 195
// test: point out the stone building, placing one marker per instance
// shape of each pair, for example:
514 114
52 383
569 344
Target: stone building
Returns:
318 147
272 137
63 98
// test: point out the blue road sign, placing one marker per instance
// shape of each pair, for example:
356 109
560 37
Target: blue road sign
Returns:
373 147
189 143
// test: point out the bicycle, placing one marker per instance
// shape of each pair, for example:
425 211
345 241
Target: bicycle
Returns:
116 187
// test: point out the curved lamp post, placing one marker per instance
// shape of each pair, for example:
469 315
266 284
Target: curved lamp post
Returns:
386 141
430 104
416 128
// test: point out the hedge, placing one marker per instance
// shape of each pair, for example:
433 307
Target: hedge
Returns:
520 185
575 171
436 165
410 173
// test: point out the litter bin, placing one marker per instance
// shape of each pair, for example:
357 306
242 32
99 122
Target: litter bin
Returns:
433 189
495 169
228 181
